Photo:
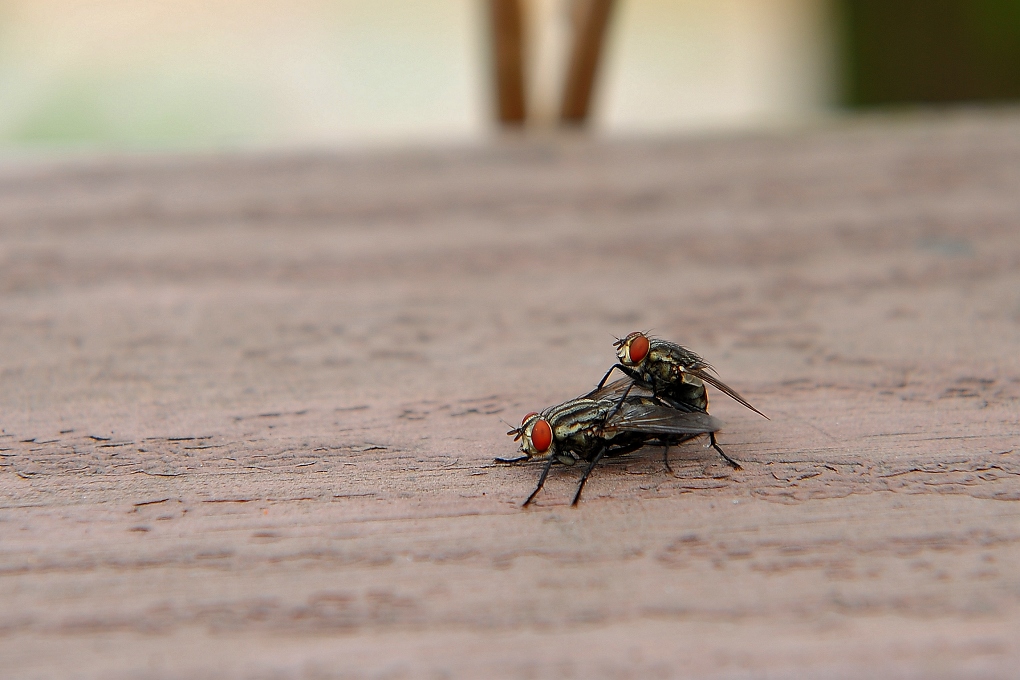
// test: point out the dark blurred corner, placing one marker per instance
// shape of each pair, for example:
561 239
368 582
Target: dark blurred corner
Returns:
929 51
590 20
508 60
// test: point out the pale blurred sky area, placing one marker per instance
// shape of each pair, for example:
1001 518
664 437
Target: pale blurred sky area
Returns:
269 73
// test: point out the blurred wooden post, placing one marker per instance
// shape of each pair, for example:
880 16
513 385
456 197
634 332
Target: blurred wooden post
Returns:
508 60
590 22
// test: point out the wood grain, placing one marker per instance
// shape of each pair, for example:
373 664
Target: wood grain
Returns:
250 405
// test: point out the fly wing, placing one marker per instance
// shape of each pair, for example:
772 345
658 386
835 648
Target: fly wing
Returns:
616 390
724 388
652 418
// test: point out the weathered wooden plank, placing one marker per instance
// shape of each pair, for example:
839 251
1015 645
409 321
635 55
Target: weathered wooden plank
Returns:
250 404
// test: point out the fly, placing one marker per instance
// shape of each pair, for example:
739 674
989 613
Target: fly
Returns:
674 374
603 424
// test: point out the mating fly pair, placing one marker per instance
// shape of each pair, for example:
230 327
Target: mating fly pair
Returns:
663 401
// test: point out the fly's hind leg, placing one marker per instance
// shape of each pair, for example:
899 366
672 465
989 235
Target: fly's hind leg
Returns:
666 443
587 471
620 450
715 445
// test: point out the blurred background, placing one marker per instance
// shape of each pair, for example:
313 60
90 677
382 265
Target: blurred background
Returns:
200 74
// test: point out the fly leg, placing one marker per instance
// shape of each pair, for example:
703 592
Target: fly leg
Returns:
715 445
541 482
602 382
618 404
584 477
634 375
626 448
666 443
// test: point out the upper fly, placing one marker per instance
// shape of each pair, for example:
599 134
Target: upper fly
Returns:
674 374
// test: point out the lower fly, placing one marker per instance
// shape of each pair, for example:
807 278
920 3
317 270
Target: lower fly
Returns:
591 427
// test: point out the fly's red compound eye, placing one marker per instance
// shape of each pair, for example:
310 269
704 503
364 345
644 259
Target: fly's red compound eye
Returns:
533 413
637 348
541 436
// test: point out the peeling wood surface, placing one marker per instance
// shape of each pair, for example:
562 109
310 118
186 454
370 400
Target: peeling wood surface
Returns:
250 406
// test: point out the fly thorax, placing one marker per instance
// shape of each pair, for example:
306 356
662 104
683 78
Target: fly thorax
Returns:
659 372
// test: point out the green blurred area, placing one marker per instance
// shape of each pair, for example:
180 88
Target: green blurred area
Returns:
202 74
83 111
929 51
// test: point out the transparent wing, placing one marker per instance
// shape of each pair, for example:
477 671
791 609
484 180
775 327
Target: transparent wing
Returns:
652 418
724 388
615 390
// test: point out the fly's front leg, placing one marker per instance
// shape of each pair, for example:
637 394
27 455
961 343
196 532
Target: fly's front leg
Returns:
618 405
602 383
715 445
541 482
629 372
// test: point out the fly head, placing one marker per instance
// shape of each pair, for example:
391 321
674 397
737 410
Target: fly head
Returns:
536 436
632 349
